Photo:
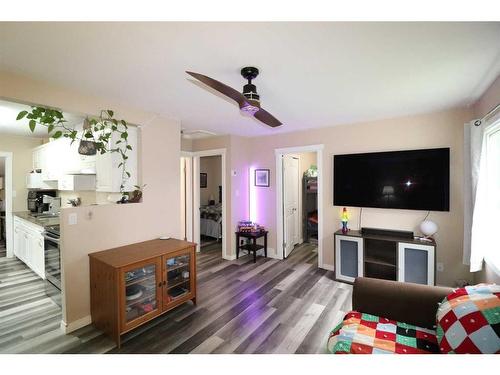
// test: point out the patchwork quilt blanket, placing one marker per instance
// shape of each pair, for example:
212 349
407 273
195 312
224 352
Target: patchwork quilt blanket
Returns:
361 333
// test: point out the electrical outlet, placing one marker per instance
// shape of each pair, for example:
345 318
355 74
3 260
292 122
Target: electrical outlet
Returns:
440 266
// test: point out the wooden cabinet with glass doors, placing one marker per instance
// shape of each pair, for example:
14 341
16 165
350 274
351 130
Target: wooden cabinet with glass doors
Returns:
131 285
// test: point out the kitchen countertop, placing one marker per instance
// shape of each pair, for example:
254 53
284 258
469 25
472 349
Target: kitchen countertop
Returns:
43 222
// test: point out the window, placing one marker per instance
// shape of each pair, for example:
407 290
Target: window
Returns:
492 136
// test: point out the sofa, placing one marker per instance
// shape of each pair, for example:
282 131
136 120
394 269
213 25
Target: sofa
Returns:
405 318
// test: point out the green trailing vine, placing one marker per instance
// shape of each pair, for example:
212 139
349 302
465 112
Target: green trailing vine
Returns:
98 131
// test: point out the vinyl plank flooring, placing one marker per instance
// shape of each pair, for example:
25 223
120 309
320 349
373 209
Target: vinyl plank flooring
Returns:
271 306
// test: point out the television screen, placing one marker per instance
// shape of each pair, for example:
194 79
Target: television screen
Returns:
415 179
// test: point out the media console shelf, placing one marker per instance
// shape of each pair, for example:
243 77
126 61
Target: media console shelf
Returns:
384 256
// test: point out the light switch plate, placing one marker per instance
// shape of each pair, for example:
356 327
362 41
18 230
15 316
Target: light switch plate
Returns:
72 219
440 266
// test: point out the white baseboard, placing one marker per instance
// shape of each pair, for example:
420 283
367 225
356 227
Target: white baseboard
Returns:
271 253
230 257
77 324
328 267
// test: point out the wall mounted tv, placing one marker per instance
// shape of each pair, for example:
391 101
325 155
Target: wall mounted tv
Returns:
414 179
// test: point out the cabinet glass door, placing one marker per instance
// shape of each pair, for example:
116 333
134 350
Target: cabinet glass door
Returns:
348 257
178 277
141 293
416 263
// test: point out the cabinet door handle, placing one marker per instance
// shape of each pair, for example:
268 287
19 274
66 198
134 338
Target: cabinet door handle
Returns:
159 284
164 282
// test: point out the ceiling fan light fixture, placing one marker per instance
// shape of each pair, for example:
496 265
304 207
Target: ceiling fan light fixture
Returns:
249 108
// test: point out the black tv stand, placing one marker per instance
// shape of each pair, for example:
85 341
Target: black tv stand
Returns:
387 232
393 255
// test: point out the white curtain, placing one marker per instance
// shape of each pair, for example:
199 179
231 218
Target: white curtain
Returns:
477 231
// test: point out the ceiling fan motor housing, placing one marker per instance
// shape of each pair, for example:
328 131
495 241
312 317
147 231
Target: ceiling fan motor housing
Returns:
250 90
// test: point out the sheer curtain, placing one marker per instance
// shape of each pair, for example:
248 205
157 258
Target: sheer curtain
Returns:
478 223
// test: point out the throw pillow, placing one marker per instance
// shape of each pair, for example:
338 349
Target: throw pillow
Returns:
468 320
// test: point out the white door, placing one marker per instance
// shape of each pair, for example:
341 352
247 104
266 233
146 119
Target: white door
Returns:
290 203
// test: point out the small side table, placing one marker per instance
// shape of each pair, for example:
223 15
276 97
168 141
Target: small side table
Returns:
252 246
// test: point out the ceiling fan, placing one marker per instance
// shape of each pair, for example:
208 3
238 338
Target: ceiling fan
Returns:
248 101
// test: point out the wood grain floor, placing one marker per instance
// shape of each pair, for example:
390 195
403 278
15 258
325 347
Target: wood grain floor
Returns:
271 306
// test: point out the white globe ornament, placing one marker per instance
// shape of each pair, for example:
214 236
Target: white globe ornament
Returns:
428 228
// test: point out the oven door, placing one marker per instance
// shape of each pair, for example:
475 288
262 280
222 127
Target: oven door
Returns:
52 259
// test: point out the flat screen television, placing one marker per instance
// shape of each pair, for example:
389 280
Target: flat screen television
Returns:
414 179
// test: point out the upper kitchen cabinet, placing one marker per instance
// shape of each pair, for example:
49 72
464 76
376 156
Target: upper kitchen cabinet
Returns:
59 157
109 175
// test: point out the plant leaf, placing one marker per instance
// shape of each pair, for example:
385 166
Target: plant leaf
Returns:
32 125
21 115
57 134
128 174
124 135
50 128
129 147
110 112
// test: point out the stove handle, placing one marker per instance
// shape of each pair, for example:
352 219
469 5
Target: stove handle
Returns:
47 236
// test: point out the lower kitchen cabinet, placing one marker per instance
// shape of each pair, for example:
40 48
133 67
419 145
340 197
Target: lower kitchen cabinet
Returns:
29 245
133 284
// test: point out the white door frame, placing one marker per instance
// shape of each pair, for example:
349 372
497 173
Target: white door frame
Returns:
196 197
279 152
8 203
189 194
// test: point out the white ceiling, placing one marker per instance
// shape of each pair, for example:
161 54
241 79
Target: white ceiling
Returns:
312 74
9 124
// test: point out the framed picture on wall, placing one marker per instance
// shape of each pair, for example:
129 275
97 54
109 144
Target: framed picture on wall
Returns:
262 177
203 180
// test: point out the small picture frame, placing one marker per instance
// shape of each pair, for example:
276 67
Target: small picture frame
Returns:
262 177
203 180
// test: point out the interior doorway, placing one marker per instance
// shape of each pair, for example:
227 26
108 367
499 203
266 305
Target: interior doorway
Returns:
209 203
299 192
6 249
186 183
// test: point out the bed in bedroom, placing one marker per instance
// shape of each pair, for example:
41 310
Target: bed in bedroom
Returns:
211 221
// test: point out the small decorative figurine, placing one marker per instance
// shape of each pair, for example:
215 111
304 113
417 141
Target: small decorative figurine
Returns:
345 219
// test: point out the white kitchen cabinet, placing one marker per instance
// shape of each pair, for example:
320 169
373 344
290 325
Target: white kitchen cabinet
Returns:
108 174
29 245
416 263
348 257
77 182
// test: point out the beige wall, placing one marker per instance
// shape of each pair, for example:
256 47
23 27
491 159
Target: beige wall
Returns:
186 144
444 129
487 102
101 227
212 166
22 163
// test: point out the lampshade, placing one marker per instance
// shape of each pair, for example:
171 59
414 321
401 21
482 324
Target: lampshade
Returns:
428 228
388 190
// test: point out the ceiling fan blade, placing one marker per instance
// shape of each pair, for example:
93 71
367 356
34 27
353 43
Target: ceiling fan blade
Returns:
267 118
220 87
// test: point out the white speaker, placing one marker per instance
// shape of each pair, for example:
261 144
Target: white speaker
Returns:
428 228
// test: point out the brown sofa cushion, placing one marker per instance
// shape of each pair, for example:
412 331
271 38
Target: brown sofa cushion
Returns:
404 302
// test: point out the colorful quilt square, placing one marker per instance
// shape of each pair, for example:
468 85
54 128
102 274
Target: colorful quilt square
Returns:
427 346
373 325
457 293
487 303
407 332
387 327
473 321
384 335
425 336
369 317
403 349
359 348
448 320
486 339
405 340
467 346
455 334
388 345
464 309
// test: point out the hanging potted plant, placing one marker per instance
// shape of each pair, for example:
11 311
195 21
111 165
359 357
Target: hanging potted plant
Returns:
94 137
